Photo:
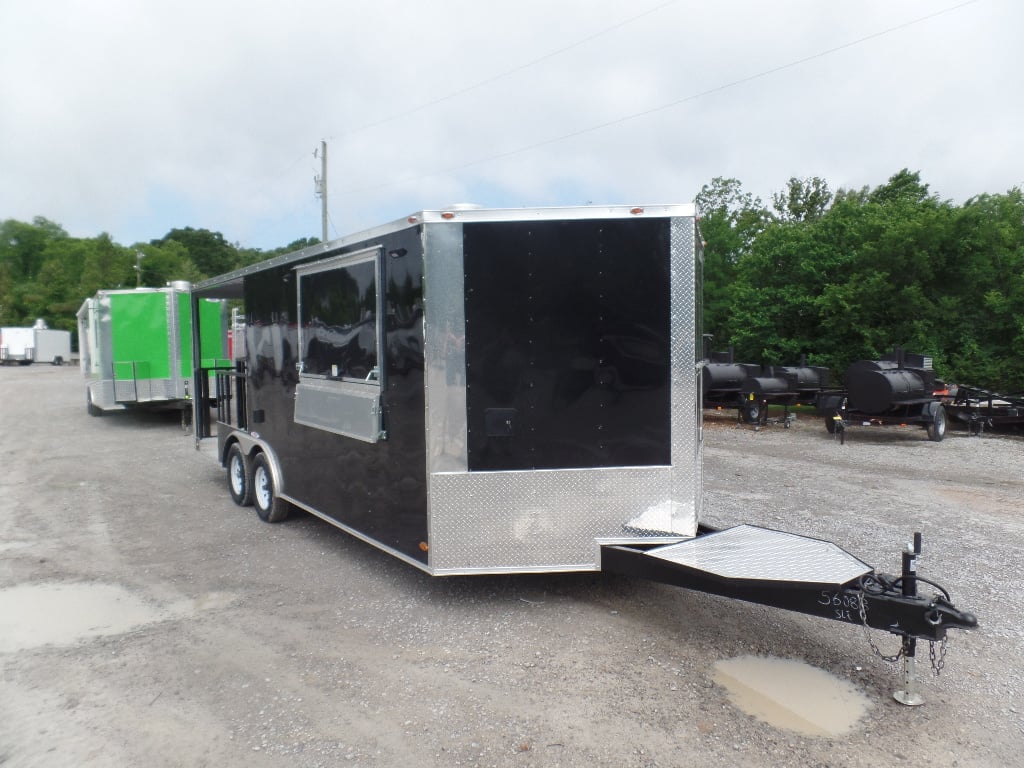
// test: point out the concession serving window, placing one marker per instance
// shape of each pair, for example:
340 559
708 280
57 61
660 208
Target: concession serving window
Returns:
340 338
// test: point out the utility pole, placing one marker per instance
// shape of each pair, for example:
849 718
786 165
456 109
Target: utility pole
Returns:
321 189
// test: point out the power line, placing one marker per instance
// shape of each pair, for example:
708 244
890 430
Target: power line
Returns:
663 107
506 73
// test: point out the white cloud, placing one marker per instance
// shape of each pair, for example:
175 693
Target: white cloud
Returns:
136 118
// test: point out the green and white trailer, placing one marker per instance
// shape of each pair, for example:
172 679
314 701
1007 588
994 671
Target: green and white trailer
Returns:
135 346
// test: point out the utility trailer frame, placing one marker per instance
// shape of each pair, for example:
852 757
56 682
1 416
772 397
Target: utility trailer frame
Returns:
980 408
505 391
927 413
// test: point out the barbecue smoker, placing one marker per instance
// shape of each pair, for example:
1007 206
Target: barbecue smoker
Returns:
508 391
751 389
898 389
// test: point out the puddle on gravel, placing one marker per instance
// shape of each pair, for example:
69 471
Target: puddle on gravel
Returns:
791 695
33 615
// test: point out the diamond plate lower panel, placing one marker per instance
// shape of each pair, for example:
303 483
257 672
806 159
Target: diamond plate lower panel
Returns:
551 519
147 390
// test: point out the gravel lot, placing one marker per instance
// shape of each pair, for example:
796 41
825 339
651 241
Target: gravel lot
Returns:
222 641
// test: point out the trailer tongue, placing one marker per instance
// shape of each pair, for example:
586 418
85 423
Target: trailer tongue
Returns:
798 573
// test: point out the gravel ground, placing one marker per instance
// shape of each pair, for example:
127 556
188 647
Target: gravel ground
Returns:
226 642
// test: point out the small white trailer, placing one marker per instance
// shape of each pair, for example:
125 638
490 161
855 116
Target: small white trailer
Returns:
17 345
40 344
51 345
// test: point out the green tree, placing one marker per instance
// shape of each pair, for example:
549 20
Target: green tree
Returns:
863 276
106 265
166 263
209 251
802 199
22 246
982 311
23 251
730 221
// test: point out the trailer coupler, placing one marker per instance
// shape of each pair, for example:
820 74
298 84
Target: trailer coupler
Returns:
809 576
900 600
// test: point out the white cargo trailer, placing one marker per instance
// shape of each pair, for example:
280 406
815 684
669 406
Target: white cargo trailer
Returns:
51 345
17 345
40 344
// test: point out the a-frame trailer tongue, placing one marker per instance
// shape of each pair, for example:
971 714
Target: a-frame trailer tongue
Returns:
802 574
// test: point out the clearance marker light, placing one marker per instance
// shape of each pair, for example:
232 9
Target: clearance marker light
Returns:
447 215
636 211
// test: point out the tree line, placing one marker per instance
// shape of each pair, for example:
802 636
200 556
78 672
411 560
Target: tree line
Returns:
45 273
832 277
847 276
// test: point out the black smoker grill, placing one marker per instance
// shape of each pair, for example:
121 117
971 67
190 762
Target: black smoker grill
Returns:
898 389
751 389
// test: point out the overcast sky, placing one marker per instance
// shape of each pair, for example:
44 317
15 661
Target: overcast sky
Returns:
133 118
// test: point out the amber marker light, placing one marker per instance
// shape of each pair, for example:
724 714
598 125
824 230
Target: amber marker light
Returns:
412 219
447 215
424 546
636 211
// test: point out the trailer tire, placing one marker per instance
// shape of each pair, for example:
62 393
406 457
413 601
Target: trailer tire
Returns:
830 422
937 427
750 413
239 476
270 507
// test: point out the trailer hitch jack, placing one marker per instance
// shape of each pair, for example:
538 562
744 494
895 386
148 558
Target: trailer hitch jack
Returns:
940 615
909 694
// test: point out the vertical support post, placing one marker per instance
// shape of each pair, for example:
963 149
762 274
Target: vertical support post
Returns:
323 190
200 414
909 694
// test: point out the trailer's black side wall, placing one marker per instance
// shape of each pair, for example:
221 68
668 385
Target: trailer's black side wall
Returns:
377 489
568 343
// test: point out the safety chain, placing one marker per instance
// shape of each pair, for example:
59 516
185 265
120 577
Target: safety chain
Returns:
937 659
863 608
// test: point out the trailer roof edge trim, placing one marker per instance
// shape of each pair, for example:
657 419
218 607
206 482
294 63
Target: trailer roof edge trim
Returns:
461 213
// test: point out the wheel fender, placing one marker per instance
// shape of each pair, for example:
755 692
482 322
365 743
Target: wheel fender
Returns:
930 409
828 402
250 446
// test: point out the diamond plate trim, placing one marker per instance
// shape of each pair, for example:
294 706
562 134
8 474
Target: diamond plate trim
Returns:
540 519
760 554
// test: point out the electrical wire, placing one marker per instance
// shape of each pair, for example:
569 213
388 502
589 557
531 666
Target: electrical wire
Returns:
653 110
494 78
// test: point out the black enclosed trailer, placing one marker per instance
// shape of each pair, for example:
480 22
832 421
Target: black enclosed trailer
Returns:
509 391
